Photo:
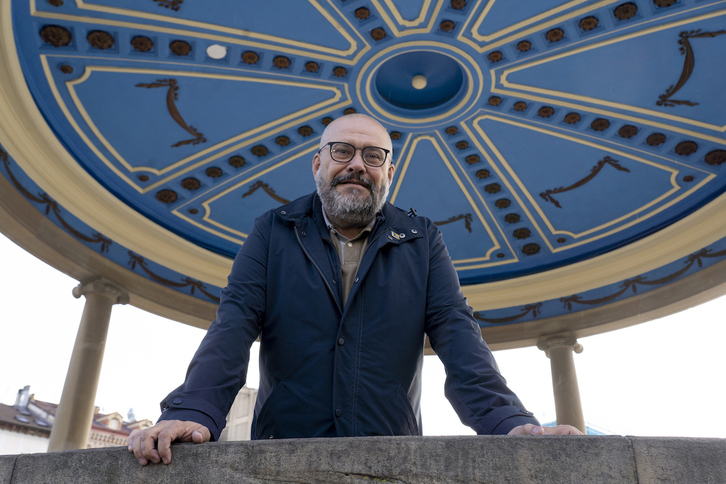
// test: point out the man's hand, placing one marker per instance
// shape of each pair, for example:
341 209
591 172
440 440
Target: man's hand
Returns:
530 429
143 443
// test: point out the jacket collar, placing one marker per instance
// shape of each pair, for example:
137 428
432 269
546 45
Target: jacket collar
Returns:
396 225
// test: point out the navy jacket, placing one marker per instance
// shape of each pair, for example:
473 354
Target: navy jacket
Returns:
332 369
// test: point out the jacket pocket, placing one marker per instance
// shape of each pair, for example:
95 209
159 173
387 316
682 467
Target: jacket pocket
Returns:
265 420
407 422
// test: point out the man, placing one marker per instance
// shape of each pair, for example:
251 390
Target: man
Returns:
342 289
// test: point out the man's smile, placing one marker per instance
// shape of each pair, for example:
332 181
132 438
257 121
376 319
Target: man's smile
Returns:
352 180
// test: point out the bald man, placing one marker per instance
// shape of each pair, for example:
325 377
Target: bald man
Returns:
341 288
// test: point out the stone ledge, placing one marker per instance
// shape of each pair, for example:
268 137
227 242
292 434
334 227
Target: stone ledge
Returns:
411 460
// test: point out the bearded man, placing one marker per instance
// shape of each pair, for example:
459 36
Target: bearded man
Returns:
342 289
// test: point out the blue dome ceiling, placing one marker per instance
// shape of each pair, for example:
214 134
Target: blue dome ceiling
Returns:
535 134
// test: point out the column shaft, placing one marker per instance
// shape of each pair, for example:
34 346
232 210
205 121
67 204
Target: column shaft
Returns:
75 412
564 380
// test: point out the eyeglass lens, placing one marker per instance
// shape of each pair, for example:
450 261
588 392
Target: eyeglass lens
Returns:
344 152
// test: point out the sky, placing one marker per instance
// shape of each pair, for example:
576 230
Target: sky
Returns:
661 378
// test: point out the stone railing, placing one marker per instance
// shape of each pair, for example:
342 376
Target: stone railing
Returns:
412 460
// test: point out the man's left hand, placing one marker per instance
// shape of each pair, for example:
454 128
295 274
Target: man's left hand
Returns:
530 429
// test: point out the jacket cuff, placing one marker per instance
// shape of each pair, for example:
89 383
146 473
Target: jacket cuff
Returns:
503 419
194 410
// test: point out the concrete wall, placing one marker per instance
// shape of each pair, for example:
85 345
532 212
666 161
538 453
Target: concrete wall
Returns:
411 460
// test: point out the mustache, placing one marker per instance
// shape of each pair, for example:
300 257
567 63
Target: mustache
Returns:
352 176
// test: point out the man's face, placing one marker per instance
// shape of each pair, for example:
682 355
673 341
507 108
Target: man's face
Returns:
353 192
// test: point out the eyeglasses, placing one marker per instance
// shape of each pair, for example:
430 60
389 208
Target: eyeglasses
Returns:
344 152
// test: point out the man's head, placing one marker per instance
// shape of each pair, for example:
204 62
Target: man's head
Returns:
353 192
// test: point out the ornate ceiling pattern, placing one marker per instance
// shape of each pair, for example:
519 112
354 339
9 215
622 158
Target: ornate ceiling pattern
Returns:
536 136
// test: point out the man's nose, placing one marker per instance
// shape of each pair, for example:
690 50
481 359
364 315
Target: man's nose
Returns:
357 164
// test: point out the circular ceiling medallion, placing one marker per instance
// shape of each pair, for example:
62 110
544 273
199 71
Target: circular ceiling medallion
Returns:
419 80
420 83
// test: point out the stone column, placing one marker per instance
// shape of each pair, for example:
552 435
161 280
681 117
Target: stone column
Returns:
564 379
75 412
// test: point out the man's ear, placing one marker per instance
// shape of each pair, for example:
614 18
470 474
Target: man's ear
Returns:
316 164
391 171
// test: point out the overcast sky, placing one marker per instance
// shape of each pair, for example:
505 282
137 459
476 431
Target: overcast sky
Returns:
662 378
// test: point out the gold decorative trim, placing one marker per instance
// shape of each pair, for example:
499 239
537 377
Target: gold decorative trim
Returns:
399 21
486 40
33 145
260 131
503 80
532 201
234 184
282 45
399 18
409 151
470 98
26 136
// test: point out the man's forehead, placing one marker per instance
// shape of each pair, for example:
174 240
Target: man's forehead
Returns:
350 126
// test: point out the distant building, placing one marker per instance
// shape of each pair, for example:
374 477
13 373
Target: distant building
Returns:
239 418
25 426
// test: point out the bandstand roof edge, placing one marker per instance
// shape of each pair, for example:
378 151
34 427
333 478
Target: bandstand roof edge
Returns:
657 232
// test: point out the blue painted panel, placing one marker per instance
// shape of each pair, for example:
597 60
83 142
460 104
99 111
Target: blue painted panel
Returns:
298 21
432 190
597 73
543 162
410 9
506 13
238 212
218 108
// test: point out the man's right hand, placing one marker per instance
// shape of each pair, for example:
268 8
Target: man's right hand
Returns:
154 444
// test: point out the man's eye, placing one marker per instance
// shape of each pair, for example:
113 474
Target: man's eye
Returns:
342 151
374 155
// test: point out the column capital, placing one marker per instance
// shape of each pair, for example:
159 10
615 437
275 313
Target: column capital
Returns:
559 341
101 286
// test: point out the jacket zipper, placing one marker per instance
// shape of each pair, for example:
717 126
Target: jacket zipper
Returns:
335 298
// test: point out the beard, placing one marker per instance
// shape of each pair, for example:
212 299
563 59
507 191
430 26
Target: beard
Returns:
350 207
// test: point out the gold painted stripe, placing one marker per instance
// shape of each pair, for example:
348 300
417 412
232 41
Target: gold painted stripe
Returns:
649 112
262 129
475 189
338 56
393 25
537 18
560 20
468 98
26 136
552 230
409 155
207 204
399 18
227 30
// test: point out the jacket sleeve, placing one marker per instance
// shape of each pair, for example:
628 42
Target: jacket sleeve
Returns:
219 367
474 386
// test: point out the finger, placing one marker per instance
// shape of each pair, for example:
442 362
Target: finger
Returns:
137 450
562 430
202 434
148 449
164 445
522 430
130 440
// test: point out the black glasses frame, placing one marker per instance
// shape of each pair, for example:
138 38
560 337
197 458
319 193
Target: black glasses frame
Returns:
331 143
